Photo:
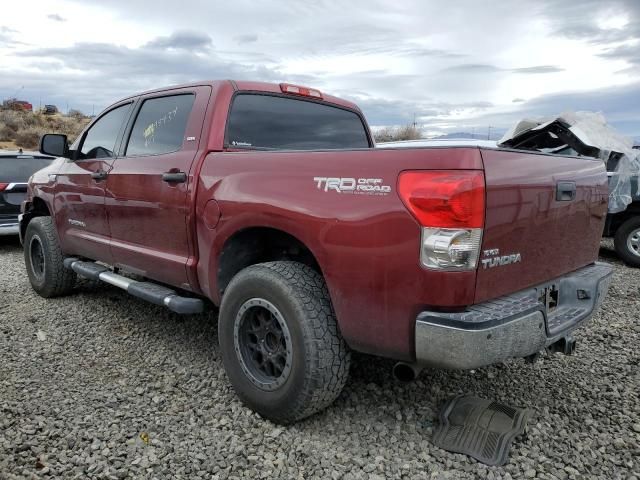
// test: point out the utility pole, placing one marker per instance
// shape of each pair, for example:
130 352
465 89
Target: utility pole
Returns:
415 125
489 133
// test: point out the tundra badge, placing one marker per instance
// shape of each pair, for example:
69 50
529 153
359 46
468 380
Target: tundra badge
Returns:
496 260
77 223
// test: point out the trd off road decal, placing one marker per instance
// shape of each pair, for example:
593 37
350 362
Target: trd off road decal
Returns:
354 186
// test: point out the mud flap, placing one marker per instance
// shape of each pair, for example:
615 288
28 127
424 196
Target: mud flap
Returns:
482 429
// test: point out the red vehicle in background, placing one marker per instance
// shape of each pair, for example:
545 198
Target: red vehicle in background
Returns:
271 202
15 104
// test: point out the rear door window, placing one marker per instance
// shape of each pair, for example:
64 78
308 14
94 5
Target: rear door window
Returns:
274 122
159 127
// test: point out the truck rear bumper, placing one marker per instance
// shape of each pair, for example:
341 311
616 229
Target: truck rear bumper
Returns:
517 325
10 229
9 225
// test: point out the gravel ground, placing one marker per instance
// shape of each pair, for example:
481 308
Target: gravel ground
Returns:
100 385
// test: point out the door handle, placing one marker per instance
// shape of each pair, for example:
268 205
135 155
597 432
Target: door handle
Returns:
565 191
99 175
174 177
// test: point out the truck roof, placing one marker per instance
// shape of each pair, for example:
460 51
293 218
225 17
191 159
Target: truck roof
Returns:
245 85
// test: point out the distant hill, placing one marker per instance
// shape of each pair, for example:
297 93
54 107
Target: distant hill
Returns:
496 134
24 128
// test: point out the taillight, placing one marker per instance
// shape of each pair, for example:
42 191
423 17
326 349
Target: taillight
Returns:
3 186
449 205
298 90
444 198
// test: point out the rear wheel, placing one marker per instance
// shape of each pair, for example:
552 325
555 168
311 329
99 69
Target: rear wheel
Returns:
627 242
44 260
280 342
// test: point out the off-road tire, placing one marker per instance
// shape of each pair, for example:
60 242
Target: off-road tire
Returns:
52 279
622 235
320 358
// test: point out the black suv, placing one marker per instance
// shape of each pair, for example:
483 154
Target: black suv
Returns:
15 170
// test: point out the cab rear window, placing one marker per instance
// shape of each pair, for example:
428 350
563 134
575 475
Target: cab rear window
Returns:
281 123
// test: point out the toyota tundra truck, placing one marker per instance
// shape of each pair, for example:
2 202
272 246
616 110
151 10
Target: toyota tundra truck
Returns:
272 203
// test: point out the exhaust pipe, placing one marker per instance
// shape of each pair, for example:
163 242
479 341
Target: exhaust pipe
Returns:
566 346
406 372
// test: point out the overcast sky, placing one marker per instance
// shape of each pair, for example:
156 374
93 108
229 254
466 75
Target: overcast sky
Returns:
455 65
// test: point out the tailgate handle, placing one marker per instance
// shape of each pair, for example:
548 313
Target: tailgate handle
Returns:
565 191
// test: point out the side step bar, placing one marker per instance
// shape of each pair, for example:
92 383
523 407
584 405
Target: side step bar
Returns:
151 292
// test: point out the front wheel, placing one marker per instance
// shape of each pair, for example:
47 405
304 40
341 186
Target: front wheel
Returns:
44 260
627 242
280 343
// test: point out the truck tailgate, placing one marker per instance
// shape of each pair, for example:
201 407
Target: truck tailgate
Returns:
536 229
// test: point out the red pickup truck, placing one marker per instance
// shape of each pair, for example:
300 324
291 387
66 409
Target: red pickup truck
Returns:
273 203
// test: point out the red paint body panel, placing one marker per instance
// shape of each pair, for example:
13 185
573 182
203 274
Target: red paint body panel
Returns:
367 246
79 198
523 216
147 216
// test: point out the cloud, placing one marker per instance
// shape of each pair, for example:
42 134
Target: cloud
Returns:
479 68
620 106
538 69
380 112
614 26
182 40
587 19
56 18
246 38
7 37
78 73
629 53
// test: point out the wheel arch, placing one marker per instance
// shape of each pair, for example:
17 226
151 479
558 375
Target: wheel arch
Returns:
258 244
37 207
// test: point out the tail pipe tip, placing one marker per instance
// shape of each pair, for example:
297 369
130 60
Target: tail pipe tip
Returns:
406 372
566 345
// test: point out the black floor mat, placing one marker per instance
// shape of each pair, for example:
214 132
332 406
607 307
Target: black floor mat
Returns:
481 428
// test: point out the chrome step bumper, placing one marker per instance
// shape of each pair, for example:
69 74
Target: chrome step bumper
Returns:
513 326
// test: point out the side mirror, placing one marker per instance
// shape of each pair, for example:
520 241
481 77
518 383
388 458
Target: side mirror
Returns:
54 144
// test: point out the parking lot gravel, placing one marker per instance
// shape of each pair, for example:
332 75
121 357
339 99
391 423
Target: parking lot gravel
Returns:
101 385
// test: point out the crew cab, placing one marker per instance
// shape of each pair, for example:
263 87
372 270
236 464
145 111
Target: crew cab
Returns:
271 202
